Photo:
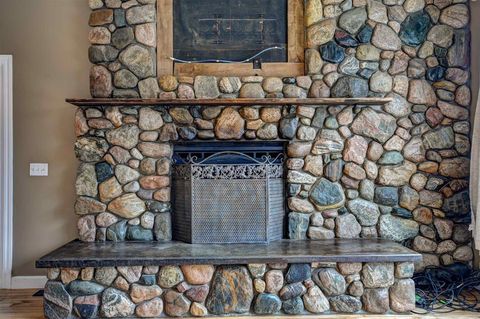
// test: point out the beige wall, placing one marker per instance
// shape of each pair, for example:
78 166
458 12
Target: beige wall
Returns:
48 40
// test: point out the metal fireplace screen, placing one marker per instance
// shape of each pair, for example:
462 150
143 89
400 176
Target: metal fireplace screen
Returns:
228 197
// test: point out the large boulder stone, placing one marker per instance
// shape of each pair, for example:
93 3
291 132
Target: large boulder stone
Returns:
127 206
125 136
378 275
315 301
139 60
58 303
328 141
82 288
116 303
231 291
327 195
87 306
350 87
345 304
421 92
456 16
330 281
346 226
414 28
458 204
396 175
176 304
402 296
320 33
441 138
90 149
376 300
379 126
229 125
366 212
352 20
298 273
206 87
267 304
458 167
459 53
386 38
396 228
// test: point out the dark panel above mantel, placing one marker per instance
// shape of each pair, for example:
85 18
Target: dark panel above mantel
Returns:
235 102
80 254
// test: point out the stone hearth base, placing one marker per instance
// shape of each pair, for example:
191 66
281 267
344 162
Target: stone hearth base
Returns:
207 290
125 280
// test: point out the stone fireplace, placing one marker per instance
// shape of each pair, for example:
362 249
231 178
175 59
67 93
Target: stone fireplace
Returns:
376 133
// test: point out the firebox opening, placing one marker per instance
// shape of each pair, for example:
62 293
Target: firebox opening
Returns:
228 192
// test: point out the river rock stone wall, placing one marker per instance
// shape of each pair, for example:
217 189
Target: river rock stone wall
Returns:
206 290
398 171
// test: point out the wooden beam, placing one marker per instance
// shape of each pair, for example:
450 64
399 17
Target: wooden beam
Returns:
239 69
296 31
164 37
235 102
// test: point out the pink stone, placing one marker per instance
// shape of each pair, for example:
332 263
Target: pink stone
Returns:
100 81
185 91
99 35
355 149
81 126
146 34
421 92
434 116
86 228
198 293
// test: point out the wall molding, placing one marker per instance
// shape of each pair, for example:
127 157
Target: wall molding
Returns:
6 170
28 282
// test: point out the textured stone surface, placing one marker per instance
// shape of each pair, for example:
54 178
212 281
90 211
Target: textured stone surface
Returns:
231 291
116 303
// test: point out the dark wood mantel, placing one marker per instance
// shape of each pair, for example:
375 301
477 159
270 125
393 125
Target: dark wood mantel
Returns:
225 102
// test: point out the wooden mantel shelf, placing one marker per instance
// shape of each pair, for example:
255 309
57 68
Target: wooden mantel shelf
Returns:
236 102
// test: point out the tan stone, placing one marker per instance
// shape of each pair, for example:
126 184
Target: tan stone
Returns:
140 293
150 309
155 150
169 83
109 189
198 310
127 206
198 274
229 125
313 12
396 175
67 275
320 33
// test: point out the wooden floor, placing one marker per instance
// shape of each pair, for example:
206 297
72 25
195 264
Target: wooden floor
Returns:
19 304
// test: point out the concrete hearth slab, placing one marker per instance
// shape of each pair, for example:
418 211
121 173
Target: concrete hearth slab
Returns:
81 254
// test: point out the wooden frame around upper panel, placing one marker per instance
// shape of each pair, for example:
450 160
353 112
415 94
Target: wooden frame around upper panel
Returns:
293 67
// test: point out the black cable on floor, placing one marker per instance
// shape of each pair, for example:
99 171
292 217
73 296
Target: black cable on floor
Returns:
446 289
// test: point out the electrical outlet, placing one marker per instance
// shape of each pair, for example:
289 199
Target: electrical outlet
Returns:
38 169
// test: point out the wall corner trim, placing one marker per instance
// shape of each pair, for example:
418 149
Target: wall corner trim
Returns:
6 170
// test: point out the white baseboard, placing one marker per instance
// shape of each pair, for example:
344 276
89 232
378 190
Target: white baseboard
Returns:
28 282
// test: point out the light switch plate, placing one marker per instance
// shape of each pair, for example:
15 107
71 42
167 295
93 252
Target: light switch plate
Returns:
38 169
